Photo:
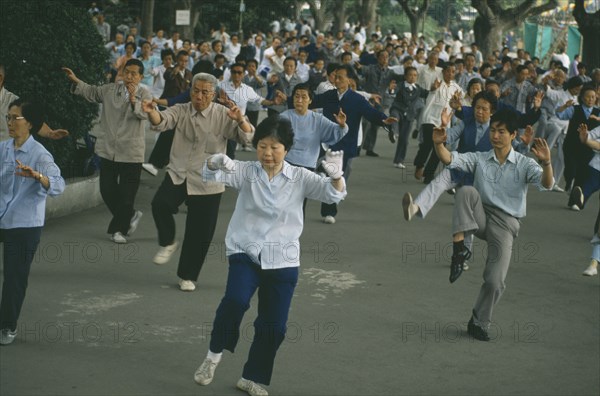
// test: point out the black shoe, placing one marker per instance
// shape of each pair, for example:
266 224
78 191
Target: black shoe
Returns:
390 133
415 133
477 332
456 266
452 191
576 198
391 137
371 153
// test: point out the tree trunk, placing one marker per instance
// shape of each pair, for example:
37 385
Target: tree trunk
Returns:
147 18
187 32
339 15
488 38
415 17
414 26
367 13
320 14
493 20
589 25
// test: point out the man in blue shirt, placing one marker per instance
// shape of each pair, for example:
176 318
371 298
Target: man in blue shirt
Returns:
493 207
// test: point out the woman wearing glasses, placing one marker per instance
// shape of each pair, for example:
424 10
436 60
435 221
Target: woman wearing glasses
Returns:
28 176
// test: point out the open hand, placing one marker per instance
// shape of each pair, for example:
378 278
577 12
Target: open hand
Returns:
26 171
340 117
541 150
583 133
445 117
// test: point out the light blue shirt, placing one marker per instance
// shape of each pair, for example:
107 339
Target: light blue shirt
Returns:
567 113
502 186
149 65
23 199
268 220
310 130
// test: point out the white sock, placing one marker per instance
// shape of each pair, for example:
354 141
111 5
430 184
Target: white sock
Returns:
215 357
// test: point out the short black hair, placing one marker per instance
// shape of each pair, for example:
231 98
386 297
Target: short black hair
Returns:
508 118
130 44
448 65
520 68
474 81
202 66
491 81
135 62
349 71
573 82
584 90
166 52
252 60
292 59
304 87
275 127
488 97
331 67
32 111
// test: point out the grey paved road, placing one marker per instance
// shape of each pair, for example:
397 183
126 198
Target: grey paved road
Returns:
373 313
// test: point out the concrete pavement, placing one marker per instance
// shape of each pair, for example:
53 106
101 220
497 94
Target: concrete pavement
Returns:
373 312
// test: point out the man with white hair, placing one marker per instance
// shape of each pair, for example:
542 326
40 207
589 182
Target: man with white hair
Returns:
202 128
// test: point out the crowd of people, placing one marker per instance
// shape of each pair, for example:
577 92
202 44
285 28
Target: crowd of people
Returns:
326 96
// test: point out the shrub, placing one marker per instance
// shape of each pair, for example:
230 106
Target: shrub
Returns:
38 39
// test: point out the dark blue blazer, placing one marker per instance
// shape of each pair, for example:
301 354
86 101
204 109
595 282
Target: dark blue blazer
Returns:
355 106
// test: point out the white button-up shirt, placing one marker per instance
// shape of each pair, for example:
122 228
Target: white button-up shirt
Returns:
268 219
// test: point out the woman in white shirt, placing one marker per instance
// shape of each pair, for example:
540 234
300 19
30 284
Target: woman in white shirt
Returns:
263 247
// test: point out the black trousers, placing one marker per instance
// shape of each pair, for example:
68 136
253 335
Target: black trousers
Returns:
119 183
423 158
200 224
159 157
20 245
252 117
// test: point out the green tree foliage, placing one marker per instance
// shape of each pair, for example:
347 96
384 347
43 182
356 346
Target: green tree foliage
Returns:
38 38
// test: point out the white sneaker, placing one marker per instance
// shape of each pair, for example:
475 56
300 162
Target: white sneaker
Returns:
251 387
400 165
465 266
117 237
150 169
329 220
409 208
557 188
592 269
186 285
7 336
205 373
135 221
164 253
575 208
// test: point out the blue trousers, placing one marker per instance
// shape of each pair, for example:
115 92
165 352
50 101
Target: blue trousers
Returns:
20 245
591 184
275 291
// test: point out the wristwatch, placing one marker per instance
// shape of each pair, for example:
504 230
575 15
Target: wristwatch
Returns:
40 177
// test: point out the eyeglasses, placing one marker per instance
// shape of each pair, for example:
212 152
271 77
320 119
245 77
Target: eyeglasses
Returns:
237 72
13 118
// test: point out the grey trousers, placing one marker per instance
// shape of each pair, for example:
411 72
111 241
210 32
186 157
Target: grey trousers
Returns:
433 191
499 229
